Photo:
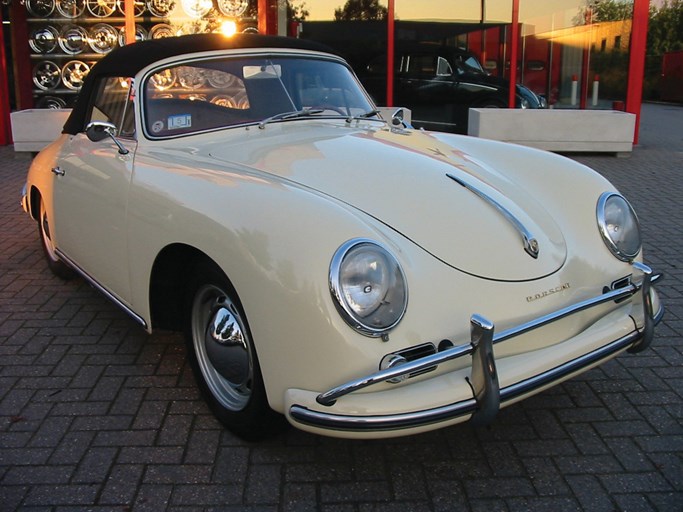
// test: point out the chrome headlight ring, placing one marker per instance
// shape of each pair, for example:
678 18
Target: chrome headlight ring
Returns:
368 286
619 226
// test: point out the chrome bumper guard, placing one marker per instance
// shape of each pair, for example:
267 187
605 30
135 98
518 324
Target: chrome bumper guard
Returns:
487 395
24 199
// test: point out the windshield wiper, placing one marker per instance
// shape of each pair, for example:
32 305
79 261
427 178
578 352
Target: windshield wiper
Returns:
294 114
364 115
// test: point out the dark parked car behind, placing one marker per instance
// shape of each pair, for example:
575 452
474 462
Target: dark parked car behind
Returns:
439 84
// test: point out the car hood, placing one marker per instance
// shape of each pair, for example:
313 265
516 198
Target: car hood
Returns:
451 204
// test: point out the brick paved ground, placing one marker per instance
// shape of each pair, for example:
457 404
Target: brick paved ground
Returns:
96 415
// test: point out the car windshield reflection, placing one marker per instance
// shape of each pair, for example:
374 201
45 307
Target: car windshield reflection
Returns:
219 93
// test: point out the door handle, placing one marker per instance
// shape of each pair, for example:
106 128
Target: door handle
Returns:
58 171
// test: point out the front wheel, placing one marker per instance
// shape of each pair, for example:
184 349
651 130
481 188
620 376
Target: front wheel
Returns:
57 266
491 104
224 359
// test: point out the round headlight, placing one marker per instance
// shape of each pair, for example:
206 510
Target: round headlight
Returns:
369 287
619 226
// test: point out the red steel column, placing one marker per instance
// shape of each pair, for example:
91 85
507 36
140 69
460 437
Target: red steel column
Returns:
514 48
267 17
585 60
5 130
21 58
390 55
636 65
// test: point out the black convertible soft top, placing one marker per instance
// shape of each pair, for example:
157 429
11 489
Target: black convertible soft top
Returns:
128 60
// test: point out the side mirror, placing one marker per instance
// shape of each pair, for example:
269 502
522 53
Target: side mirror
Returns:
397 119
100 130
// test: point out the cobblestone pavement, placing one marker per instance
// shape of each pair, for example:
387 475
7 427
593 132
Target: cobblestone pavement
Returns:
97 415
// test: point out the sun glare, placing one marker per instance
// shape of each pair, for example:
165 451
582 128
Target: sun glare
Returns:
228 28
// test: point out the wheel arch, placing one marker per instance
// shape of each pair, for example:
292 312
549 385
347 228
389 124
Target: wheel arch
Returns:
34 199
491 101
171 273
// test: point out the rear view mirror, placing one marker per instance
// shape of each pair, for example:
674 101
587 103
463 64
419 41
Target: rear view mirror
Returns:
256 72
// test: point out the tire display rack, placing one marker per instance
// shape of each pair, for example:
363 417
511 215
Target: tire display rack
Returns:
67 37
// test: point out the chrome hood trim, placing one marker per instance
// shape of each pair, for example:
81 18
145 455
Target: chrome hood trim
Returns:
529 242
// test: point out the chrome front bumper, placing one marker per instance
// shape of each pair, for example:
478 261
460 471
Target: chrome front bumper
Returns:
487 396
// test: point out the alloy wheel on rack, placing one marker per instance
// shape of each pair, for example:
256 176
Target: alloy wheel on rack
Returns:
103 38
43 39
101 8
70 8
52 102
233 8
160 8
197 8
161 30
73 74
46 75
140 35
40 8
73 39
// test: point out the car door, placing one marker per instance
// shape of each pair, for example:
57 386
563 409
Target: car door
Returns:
91 191
475 87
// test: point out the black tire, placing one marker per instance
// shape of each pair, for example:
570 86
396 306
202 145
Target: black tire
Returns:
491 104
57 266
225 363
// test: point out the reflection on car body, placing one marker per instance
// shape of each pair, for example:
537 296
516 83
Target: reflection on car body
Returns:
440 83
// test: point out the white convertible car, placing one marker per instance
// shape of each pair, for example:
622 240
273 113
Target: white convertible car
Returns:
346 272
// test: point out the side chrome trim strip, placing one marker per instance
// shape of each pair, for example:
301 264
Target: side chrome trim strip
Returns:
530 243
102 289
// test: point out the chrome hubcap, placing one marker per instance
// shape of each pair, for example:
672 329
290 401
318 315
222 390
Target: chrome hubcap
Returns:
222 347
226 347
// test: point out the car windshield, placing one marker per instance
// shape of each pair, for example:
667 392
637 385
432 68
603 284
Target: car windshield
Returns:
217 93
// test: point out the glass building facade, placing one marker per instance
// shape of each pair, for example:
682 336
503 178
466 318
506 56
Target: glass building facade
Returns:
576 54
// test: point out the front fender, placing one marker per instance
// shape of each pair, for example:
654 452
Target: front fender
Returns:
274 241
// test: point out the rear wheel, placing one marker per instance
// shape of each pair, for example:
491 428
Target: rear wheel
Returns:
224 359
56 265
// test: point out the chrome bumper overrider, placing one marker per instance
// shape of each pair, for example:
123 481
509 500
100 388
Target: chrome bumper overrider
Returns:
486 394
24 199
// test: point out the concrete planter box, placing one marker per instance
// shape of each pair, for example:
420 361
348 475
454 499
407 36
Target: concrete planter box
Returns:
556 129
34 129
